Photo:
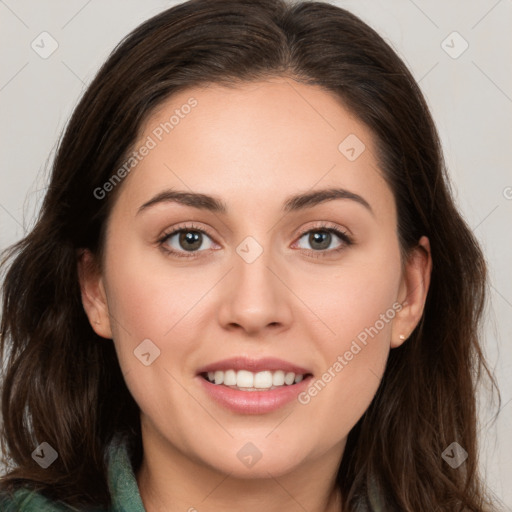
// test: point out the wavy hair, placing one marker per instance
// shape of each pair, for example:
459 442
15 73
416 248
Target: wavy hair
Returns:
62 382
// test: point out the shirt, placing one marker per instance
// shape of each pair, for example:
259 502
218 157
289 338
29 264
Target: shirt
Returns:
121 481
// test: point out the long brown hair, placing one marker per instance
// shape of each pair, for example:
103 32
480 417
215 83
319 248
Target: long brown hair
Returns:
62 382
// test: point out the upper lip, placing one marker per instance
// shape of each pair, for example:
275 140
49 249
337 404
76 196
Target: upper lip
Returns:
253 365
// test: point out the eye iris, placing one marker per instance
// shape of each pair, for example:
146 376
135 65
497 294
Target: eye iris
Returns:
192 237
319 237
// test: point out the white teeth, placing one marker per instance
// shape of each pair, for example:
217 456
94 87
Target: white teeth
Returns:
263 380
230 378
289 378
250 381
278 378
244 379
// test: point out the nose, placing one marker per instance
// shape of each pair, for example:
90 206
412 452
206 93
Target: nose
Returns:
255 297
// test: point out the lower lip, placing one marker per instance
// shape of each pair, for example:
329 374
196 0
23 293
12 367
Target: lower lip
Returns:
254 402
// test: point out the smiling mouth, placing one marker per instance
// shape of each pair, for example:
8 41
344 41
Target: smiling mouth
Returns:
245 380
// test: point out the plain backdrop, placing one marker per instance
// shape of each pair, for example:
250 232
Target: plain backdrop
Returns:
466 77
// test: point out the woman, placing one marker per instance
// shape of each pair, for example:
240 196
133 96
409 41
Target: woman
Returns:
179 341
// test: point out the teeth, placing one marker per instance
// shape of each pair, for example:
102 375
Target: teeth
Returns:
251 381
230 378
278 378
289 378
263 380
244 379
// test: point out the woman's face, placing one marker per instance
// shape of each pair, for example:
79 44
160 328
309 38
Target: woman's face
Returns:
266 284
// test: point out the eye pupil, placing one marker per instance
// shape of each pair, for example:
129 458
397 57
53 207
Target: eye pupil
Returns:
318 237
190 237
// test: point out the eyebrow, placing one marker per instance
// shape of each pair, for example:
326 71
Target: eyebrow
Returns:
216 205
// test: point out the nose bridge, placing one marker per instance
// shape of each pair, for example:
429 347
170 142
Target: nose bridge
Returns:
254 297
253 279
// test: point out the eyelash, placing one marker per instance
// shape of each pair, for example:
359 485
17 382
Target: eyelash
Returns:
346 239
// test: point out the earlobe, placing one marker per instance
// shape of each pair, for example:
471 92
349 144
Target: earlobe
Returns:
413 292
94 297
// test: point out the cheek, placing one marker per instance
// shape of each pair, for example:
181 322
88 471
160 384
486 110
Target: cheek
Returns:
353 365
151 296
158 303
353 296
356 303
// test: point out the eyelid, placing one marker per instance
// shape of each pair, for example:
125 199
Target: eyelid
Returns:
326 225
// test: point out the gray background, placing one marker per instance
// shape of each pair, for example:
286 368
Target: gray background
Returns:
470 97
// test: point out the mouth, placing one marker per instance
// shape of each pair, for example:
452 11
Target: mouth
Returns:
245 380
253 386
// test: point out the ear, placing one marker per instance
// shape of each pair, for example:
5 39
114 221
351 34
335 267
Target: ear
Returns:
94 298
412 292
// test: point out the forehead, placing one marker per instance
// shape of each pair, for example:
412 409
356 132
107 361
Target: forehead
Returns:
262 140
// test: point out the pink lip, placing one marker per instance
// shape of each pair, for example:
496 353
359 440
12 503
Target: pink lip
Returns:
253 402
253 365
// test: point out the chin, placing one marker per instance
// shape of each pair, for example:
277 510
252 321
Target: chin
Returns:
254 459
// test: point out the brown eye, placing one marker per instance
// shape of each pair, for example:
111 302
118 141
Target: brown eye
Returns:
190 240
185 240
320 240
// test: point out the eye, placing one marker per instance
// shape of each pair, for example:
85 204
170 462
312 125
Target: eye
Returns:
321 238
183 240
187 241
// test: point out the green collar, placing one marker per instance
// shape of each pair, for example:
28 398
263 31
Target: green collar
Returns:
121 480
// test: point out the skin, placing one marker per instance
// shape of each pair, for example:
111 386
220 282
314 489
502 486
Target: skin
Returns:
252 146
